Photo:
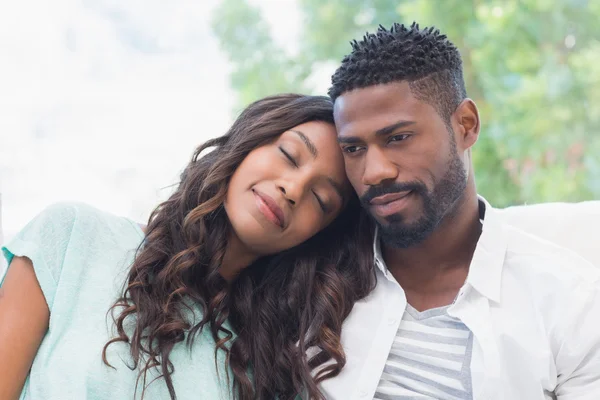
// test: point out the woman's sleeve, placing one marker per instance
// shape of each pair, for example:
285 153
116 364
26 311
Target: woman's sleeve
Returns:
45 241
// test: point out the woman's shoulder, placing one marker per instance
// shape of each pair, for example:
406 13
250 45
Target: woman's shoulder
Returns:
76 226
82 218
67 238
68 212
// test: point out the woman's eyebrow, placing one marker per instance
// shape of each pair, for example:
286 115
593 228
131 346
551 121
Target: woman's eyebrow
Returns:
309 144
313 150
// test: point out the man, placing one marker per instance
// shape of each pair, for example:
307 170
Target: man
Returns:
465 306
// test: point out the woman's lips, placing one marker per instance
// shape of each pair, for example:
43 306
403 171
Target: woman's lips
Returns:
269 208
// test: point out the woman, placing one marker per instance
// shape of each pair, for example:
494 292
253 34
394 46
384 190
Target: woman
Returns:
253 261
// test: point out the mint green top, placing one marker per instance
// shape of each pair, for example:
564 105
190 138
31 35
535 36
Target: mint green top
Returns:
81 256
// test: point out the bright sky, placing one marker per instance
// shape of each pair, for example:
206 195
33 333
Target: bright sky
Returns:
103 101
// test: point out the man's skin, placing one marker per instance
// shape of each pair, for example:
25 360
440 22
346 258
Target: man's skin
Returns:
430 272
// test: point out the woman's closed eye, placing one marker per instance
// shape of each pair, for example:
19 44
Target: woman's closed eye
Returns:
287 155
324 207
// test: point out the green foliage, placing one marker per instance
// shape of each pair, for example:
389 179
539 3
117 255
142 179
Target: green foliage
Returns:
260 67
532 67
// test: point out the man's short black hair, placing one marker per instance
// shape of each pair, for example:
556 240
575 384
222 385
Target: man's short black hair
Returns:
424 58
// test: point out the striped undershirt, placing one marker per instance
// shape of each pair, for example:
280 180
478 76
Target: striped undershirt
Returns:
430 358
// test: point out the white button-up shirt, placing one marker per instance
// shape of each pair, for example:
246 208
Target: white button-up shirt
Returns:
533 308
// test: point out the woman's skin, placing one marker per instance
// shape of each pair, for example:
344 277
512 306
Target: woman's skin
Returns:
302 173
24 318
281 195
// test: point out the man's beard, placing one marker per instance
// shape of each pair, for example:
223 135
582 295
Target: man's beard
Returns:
436 204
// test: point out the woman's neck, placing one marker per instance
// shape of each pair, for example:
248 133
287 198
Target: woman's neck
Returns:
237 257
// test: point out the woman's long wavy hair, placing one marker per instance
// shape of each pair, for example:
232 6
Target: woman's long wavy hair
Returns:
285 310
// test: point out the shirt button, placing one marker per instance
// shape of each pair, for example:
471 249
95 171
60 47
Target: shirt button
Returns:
392 321
364 393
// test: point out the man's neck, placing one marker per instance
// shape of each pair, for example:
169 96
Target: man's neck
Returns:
433 272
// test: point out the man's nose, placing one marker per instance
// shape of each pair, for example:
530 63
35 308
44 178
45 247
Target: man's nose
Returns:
378 168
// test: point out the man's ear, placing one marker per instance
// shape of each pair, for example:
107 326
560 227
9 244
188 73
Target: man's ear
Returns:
466 124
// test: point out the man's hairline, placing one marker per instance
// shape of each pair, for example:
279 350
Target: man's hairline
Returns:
447 119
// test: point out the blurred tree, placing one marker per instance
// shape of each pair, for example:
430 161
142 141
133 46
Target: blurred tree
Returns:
532 67
260 67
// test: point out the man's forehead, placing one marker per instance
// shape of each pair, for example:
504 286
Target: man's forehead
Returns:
376 107
376 99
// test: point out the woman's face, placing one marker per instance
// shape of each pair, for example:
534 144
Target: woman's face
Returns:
285 192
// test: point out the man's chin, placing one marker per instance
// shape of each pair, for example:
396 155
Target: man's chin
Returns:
400 234
394 220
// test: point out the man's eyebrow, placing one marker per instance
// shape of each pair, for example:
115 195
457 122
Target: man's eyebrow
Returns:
309 144
347 139
389 129
381 132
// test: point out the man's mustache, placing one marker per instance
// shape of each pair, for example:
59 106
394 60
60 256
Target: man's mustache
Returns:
380 190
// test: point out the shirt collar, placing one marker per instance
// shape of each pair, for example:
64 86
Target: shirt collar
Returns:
485 272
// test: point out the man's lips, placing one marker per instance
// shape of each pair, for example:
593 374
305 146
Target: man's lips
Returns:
388 198
269 208
389 204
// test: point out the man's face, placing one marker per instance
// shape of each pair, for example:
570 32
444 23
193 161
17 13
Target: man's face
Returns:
401 159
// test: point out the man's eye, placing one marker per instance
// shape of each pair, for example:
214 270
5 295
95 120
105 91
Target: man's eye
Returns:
398 138
351 149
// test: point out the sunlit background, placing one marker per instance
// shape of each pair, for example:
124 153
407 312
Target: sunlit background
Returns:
103 101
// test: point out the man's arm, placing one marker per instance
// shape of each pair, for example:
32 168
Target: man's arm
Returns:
578 358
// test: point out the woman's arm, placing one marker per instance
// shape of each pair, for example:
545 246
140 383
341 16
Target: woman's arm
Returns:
24 318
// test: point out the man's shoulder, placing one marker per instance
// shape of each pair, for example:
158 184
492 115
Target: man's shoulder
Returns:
575 226
531 257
